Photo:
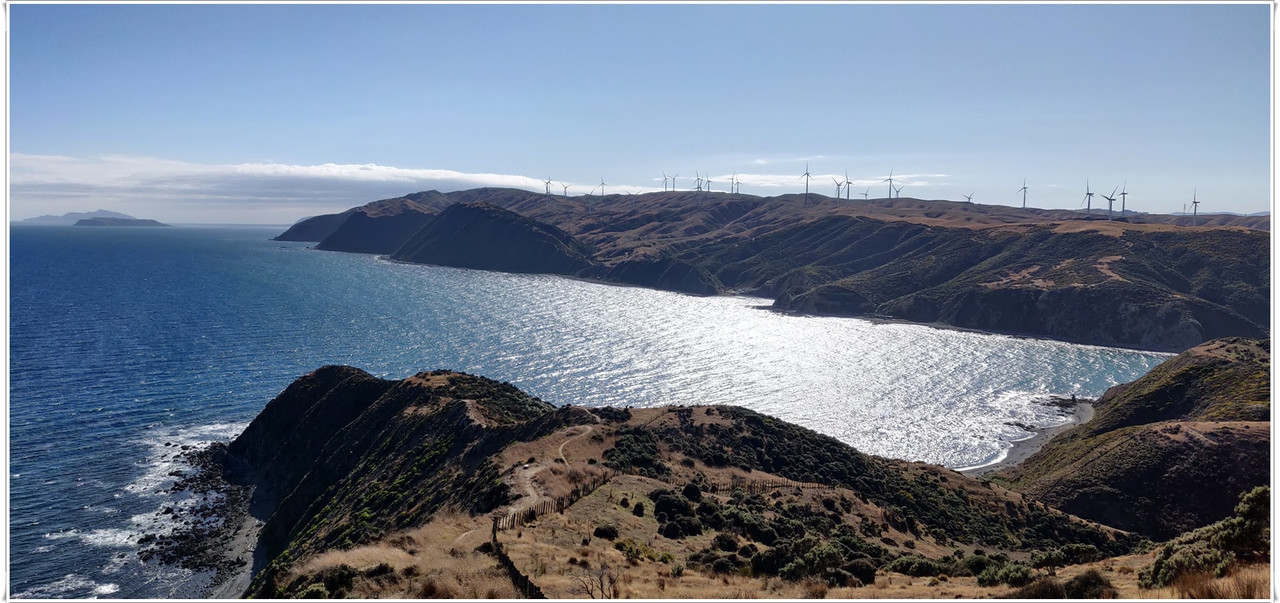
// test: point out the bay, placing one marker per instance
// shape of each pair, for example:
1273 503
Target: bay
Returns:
126 344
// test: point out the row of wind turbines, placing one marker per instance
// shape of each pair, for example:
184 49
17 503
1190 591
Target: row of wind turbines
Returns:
704 185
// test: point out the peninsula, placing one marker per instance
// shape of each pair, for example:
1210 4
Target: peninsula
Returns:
128 222
445 484
1146 282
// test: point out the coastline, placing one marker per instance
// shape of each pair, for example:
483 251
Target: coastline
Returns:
1082 413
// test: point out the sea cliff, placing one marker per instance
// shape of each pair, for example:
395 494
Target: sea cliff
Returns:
1141 283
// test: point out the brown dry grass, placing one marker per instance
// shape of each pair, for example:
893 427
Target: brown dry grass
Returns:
435 560
1247 582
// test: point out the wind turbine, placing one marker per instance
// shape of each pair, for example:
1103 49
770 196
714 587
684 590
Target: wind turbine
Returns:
848 185
806 178
898 190
708 182
733 183
865 193
969 197
566 189
602 186
1123 196
673 183
664 182
698 182
839 185
890 181
1110 200
1088 198
1195 206
1023 190
548 183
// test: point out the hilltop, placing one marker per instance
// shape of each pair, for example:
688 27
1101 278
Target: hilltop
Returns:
1141 282
451 473
1167 453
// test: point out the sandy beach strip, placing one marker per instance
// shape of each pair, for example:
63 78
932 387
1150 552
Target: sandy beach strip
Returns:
1024 448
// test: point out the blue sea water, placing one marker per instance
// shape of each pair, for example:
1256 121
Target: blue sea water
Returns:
126 344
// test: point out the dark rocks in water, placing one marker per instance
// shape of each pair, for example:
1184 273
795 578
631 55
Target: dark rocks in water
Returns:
486 237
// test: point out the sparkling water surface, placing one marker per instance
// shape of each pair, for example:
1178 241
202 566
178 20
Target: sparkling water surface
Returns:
125 340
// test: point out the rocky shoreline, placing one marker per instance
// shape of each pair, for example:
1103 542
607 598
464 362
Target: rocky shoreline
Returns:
1082 412
216 533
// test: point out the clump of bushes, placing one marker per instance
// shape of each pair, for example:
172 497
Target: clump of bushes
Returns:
606 531
1013 574
1217 547
913 565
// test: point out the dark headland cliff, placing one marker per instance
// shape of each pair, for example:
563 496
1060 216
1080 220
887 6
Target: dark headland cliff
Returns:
448 484
1144 282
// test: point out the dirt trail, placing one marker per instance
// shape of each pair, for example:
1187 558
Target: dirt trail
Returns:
588 430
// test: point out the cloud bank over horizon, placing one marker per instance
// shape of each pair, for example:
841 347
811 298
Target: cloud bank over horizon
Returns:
279 193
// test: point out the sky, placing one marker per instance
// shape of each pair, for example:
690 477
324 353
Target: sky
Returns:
270 113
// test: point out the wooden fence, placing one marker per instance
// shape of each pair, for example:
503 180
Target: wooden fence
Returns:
527 588
523 517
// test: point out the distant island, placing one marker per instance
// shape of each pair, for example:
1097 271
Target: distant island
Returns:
445 484
71 218
1140 281
117 222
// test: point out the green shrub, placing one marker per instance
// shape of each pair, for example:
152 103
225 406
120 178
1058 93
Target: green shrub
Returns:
1089 585
606 531
638 510
1044 588
913 565
315 591
1013 574
1215 547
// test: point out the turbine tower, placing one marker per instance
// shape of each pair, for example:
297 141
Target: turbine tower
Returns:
673 183
1023 190
1123 195
664 182
1110 201
548 183
865 193
602 186
890 181
848 185
806 177
1088 198
566 189
839 185
969 197
1195 206
898 190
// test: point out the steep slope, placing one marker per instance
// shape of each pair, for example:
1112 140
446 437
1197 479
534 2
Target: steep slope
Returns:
382 226
1167 453
342 459
315 228
485 237
1044 273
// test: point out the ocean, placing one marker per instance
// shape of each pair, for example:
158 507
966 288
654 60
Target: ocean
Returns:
128 344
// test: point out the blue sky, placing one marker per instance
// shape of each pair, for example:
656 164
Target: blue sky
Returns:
266 114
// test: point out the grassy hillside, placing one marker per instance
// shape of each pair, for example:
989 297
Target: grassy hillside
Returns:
1141 283
1167 453
342 462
